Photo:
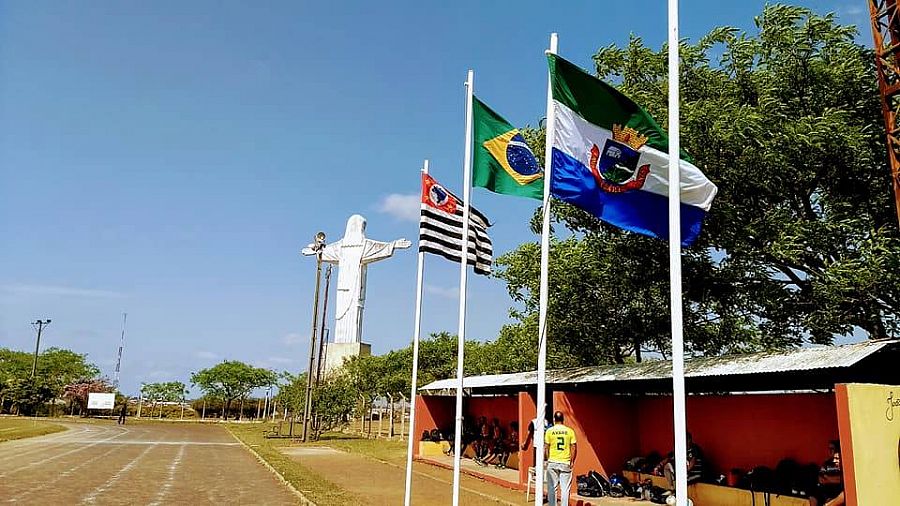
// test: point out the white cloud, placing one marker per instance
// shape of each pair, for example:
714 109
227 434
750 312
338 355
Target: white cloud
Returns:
294 338
441 291
400 206
206 355
65 291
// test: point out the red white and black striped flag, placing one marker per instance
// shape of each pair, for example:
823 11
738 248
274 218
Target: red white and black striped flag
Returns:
441 227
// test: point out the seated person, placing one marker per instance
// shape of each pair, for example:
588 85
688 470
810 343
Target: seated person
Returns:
830 490
496 445
666 467
509 445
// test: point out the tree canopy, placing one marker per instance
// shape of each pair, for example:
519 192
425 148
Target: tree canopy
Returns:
56 368
232 379
169 391
801 243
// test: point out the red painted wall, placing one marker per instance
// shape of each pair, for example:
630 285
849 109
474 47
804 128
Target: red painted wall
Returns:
527 411
745 431
432 412
504 408
604 428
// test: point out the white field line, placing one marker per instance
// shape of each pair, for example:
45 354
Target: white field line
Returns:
37 444
61 476
92 497
157 443
158 500
54 457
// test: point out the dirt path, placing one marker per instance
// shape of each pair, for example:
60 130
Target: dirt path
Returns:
136 464
382 484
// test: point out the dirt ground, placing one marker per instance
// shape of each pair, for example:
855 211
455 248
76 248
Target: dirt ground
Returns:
136 464
380 483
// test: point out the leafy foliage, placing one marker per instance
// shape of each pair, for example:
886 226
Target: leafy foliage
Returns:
232 379
801 243
170 391
78 391
56 368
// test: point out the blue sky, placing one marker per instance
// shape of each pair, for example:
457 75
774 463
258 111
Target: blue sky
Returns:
170 159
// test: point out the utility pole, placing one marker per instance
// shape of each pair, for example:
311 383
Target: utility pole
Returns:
316 249
39 325
322 331
121 347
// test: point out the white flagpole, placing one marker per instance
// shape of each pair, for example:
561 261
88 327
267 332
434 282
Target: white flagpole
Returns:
420 273
542 313
680 422
461 333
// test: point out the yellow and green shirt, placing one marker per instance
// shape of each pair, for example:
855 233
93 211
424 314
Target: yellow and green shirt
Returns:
560 439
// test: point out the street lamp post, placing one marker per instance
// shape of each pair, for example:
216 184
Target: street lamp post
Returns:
313 249
39 324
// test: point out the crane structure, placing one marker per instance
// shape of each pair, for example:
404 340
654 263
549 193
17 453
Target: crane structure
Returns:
886 32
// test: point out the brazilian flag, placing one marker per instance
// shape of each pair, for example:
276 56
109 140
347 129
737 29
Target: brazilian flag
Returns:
503 162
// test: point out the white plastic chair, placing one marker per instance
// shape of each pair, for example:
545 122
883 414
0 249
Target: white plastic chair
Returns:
531 483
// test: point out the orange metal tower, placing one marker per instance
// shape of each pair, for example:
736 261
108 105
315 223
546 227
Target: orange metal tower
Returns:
886 31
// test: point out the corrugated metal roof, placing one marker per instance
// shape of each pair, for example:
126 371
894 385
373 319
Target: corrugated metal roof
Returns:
802 359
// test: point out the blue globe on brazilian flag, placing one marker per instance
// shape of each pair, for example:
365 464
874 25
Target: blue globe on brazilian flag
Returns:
503 162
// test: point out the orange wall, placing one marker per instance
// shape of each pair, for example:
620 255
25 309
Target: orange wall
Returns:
432 412
604 428
527 411
745 431
506 409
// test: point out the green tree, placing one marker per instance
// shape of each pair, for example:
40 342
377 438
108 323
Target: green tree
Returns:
232 379
78 391
56 368
801 243
169 391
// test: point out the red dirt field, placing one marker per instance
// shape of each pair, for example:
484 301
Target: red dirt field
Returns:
136 464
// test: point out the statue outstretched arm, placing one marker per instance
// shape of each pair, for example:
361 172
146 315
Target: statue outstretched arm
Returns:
377 250
330 255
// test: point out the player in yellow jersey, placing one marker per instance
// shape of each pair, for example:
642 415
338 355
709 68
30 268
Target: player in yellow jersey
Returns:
560 450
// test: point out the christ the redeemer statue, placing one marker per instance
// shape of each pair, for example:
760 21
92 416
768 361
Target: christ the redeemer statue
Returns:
353 254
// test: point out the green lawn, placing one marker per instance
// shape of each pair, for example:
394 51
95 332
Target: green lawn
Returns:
314 486
19 428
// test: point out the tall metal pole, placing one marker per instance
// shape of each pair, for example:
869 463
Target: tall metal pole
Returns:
417 330
678 394
40 324
320 359
464 261
543 297
317 246
121 347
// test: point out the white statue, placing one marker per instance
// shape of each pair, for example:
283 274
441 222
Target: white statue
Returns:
353 254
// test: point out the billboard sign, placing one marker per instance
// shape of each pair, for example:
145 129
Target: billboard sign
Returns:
101 401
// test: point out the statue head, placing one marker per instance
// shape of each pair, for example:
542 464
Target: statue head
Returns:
356 230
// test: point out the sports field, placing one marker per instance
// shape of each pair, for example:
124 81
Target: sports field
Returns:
105 463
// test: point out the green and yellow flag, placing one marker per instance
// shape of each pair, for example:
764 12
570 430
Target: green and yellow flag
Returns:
503 162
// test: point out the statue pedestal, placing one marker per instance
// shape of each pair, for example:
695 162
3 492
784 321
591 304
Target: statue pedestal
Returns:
335 353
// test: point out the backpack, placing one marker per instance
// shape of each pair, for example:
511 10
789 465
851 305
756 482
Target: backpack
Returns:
619 486
658 495
601 482
587 487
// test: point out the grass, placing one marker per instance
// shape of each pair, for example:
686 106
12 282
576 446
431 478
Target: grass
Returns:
314 486
20 428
